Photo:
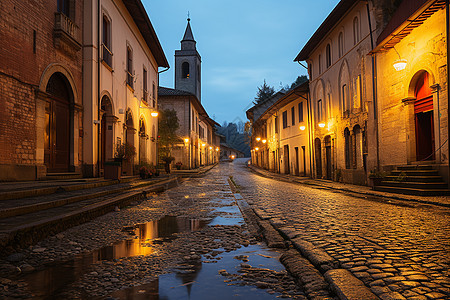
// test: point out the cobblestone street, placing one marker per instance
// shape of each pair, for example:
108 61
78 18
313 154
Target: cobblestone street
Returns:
399 249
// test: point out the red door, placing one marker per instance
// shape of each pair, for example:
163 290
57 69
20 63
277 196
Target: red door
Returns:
423 115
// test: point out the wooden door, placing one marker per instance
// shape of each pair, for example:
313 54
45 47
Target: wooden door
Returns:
57 136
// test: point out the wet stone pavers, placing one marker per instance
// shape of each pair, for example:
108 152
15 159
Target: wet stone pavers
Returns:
400 252
196 201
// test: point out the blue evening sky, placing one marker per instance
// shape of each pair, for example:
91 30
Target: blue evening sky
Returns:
241 44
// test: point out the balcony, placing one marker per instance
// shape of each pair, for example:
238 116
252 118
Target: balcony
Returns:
66 33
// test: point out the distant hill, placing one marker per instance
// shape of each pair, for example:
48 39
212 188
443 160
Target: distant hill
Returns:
236 137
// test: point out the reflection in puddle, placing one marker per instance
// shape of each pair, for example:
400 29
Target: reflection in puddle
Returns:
49 282
202 281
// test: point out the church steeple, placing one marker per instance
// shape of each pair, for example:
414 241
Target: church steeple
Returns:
188 64
188 42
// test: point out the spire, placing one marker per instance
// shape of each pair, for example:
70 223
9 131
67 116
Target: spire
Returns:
188 36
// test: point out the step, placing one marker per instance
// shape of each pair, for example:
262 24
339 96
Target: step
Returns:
416 178
415 185
25 230
38 188
412 191
415 167
59 176
415 172
16 207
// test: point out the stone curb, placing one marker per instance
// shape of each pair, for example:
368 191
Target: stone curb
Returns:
343 189
347 286
318 257
29 234
191 173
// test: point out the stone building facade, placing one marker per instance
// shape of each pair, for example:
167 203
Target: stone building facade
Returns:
41 88
413 101
121 60
199 145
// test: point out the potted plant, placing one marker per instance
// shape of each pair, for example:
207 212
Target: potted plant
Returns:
375 177
125 153
178 165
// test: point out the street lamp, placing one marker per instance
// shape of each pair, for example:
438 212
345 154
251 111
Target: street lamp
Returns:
302 127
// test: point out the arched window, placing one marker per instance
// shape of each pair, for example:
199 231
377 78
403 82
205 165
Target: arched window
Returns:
319 110
345 98
328 55
341 44
355 30
185 70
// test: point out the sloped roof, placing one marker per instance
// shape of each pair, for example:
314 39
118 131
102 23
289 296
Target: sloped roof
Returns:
163 91
140 17
333 18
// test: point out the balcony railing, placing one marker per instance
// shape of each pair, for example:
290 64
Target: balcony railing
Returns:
66 31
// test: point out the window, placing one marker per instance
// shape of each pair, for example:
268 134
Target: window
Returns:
285 122
355 30
329 106
185 70
276 125
341 44
130 67
328 55
144 85
154 95
319 110
300 112
345 98
64 7
106 41
293 115
320 64
358 92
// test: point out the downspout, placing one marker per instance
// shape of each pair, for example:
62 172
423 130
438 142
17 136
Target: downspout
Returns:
374 88
311 161
157 120
98 88
447 16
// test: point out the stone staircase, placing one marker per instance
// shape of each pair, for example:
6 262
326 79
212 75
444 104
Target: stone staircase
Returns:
421 180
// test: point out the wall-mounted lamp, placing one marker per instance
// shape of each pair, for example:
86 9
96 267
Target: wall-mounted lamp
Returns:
154 114
302 127
256 149
258 138
322 124
203 145
217 149
400 63
186 140
264 141
210 148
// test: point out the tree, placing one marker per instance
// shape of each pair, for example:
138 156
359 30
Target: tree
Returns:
167 133
300 79
264 92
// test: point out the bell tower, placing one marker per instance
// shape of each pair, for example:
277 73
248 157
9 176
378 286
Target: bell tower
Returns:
188 65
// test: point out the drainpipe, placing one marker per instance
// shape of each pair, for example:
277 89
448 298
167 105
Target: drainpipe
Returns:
447 16
98 87
374 89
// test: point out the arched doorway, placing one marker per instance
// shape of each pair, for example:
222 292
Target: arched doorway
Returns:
318 151
328 167
348 149
423 117
143 137
129 139
57 135
107 133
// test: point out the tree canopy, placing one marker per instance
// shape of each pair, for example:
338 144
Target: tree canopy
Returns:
167 132
264 92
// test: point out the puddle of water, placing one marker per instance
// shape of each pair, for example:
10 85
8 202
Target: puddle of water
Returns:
49 282
206 282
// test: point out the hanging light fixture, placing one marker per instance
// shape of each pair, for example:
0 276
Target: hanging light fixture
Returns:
399 64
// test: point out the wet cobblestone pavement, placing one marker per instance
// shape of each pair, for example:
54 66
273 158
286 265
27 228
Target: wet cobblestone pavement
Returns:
400 250
189 241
